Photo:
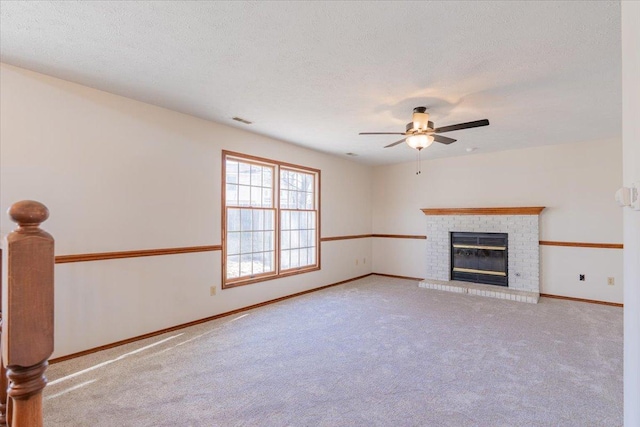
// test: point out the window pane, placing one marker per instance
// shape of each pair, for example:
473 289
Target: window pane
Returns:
295 261
305 220
231 171
311 224
258 219
298 189
245 265
295 239
269 222
267 198
268 240
284 259
245 241
303 257
256 175
267 177
293 199
231 167
295 220
309 203
233 243
231 193
285 239
258 239
299 238
250 234
269 265
258 265
285 220
233 266
233 219
244 176
245 219
256 197
244 196
284 179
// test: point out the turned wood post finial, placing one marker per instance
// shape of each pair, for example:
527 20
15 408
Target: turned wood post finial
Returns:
28 213
27 297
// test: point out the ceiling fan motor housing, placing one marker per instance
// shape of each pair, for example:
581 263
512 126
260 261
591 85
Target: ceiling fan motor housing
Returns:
411 129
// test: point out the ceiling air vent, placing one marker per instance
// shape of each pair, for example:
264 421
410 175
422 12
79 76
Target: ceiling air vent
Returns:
352 154
241 120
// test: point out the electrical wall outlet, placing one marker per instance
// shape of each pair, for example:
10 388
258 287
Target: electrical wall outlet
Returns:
356 261
611 281
212 290
364 260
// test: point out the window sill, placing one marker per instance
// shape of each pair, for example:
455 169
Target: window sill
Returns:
283 274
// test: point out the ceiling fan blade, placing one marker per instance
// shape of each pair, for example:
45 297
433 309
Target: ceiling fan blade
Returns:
443 139
395 143
466 125
381 133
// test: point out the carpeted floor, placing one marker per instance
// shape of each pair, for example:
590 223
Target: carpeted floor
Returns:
373 352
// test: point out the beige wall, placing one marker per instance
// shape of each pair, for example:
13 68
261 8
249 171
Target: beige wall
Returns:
575 182
120 175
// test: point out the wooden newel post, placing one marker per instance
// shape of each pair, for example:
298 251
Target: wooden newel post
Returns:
3 371
27 300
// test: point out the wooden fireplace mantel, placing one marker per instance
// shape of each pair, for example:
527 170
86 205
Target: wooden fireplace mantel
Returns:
528 210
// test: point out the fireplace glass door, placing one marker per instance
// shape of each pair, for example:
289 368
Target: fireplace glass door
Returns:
479 258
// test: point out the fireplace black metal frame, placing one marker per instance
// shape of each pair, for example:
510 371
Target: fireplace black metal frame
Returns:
480 246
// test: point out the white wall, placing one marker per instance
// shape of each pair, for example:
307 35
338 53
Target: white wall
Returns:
120 175
631 165
575 182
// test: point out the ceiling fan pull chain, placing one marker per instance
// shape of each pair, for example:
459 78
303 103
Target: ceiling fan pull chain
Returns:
418 164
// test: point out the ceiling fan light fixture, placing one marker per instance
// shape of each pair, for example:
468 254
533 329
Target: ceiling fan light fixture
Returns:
419 141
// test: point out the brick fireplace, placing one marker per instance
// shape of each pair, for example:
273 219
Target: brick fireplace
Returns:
520 224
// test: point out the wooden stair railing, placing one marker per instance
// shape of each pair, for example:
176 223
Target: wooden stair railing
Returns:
27 314
3 370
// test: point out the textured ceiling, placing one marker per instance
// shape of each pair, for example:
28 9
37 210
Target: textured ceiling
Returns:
317 73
